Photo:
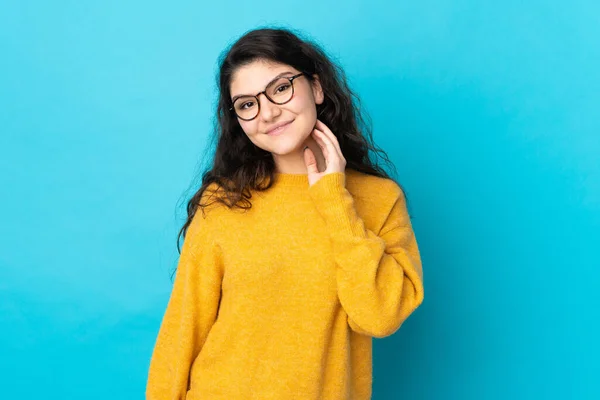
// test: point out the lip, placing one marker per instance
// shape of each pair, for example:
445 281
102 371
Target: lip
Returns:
279 132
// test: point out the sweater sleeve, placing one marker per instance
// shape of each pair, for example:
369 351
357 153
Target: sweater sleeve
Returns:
191 311
379 275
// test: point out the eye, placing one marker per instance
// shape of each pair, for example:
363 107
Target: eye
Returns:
246 105
282 88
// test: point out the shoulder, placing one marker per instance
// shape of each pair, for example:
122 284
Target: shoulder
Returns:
372 188
377 199
207 207
211 192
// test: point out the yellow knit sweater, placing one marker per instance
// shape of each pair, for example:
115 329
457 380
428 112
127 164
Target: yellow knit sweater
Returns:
282 301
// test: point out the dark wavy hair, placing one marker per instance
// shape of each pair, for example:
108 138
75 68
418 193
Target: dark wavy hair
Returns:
239 166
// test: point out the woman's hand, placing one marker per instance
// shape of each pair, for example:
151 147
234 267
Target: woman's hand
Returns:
334 159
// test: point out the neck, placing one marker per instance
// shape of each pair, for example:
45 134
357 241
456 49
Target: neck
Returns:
293 162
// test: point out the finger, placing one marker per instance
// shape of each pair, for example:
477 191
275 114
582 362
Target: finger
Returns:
329 139
318 135
328 145
324 128
310 161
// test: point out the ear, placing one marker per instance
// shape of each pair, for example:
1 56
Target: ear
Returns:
317 90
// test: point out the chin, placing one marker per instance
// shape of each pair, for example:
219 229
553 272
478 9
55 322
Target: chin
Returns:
284 149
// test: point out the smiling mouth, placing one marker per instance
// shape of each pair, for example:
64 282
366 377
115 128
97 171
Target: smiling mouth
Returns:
277 131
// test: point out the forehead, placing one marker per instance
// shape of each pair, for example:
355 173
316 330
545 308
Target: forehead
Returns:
252 78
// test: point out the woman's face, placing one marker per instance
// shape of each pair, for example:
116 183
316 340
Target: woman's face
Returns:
299 113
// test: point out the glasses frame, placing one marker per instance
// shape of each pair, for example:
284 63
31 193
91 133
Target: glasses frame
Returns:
290 78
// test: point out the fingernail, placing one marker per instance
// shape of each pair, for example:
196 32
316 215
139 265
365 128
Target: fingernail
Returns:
305 148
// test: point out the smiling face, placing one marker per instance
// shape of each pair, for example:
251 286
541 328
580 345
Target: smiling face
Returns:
299 114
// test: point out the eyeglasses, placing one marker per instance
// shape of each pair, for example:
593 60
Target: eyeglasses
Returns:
279 91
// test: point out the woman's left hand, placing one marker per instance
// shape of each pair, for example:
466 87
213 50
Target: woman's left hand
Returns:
331 151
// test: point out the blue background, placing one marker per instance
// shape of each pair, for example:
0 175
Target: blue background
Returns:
488 109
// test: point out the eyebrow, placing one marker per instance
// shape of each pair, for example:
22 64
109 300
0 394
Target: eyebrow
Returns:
271 81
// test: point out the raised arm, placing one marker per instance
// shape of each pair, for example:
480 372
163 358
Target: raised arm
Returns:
379 274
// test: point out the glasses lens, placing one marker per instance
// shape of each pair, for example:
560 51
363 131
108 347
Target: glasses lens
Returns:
246 107
280 91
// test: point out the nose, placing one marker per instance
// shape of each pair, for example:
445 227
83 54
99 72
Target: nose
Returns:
268 110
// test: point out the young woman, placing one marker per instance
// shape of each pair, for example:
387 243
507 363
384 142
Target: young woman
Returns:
304 249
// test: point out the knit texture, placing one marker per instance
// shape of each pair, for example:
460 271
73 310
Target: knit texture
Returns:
282 301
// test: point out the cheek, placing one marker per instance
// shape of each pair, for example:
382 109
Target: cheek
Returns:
306 107
249 127
303 102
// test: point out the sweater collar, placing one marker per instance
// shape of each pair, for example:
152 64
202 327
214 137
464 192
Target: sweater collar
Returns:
291 180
